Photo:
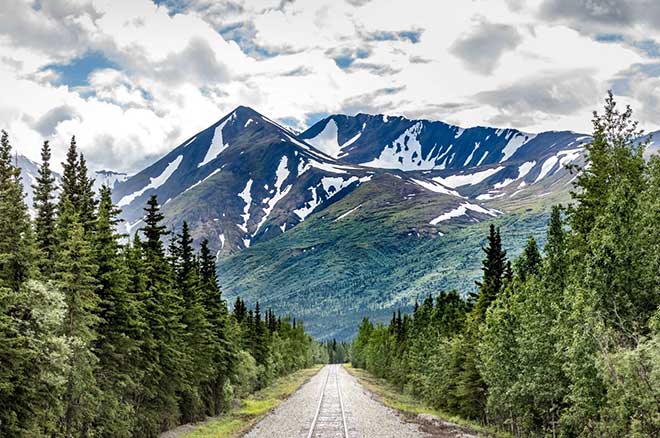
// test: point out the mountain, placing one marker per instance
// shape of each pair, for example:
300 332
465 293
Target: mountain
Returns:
356 215
30 172
478 162
246 179
108 178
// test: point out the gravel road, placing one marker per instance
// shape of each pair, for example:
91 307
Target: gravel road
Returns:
319 399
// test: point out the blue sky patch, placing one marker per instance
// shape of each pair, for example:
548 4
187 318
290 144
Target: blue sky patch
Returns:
76 72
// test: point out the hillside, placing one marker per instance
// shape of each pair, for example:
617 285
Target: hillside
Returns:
357 214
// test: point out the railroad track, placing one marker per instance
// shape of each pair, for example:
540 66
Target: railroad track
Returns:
330 418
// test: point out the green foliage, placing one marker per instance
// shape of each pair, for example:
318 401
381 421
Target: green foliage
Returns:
44 222
124 340
564 344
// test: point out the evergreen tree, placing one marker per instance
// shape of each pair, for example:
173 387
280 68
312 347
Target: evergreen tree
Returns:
85 193
163 345
198 341
120 328
44 222
17 250
494 265
529 262
75 277
224 354
70 185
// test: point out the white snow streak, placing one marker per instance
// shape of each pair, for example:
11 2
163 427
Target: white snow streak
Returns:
281 174
469 158
246 196
347 213
402 155
435 187
514 144
454 181
154 183
462 210
547 167
202 180
217 145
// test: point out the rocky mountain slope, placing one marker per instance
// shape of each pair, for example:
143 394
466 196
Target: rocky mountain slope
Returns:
246 179
358 214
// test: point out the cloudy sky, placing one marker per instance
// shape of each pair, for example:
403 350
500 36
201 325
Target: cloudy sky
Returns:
133 78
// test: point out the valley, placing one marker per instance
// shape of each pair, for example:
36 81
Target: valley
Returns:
357 214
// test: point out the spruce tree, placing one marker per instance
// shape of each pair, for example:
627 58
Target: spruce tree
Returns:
70 186
166 372
529 262
44 222
494 267
198 340
224 342
86 204
120 329
75 276
17 251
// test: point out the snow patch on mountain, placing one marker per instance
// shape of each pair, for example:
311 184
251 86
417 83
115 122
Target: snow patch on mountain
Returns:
327 141
523 170
246 196
454 181
217 145
404 153
435 187
281 174
462 210
568 156
469 158
331 185
343 215
547 167
515 143
154 183
203 179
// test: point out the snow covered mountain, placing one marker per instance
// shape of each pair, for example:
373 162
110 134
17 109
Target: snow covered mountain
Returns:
246 179
368 203
108 178
480 163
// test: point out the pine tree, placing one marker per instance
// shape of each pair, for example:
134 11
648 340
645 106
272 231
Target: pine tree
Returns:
17 251
494 266
70 186
44 222
120 329
529 262
75 277
554 270
225 354
85 193
166 372
198 338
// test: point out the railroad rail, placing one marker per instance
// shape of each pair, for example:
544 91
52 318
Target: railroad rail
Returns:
330 417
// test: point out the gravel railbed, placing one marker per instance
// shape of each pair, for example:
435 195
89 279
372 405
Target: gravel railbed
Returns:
365 417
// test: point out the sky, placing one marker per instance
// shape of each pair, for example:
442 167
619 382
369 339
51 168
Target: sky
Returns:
133 78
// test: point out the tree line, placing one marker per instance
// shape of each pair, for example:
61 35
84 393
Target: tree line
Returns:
101 337
563 342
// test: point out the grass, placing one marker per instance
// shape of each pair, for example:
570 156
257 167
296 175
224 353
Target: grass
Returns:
238 421
393 397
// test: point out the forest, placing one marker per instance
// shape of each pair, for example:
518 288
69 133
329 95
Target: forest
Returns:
102 336
559 342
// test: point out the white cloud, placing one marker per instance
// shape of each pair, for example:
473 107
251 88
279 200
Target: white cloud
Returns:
177 71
